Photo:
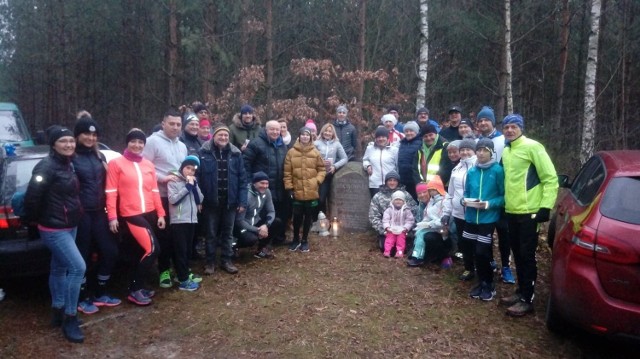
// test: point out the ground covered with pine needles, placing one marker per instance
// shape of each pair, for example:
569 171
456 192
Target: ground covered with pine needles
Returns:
341 300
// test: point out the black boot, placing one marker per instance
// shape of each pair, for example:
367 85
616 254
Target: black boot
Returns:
71 329
57 315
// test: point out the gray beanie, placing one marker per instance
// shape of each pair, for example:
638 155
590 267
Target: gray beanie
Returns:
455 143
341 108
412 125
390 175
467 143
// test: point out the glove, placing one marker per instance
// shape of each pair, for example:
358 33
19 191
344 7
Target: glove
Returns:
542 215
445 220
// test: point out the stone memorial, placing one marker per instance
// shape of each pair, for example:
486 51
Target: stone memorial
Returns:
349 198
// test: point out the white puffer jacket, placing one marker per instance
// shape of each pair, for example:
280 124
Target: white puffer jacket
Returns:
382 161
452 205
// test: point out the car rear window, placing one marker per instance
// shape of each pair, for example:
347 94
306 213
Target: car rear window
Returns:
620 201
17 177
11 127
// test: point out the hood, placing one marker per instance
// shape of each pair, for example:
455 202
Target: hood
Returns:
237 121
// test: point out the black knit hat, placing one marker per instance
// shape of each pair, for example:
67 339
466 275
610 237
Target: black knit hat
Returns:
428 128
86 125
381 131
137 134
56 132
259 176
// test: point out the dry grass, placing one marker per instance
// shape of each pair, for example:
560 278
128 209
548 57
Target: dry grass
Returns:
341 300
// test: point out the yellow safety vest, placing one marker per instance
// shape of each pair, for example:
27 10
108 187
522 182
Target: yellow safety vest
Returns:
432 167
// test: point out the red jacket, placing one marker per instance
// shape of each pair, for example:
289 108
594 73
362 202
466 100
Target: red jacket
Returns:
133 187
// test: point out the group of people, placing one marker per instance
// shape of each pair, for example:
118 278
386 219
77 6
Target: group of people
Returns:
241 185
470 180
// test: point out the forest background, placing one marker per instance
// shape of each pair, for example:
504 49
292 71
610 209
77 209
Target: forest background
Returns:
127 61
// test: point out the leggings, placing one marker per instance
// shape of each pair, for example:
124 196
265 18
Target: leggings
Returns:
142 229
302 214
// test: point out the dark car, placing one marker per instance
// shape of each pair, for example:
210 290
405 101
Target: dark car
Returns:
595 236
21 250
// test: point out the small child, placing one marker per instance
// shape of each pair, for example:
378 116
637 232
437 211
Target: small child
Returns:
185 202
429 237
485 184
397 221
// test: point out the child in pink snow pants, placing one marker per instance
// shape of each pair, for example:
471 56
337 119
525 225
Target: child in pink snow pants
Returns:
397 221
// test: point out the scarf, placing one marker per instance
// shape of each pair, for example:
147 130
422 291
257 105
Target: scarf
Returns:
131 156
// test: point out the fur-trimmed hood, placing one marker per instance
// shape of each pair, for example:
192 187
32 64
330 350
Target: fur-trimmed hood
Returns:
237 121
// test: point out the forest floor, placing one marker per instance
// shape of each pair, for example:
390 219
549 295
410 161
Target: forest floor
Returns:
341 300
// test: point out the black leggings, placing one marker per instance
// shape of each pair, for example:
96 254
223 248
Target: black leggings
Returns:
142 228
303 214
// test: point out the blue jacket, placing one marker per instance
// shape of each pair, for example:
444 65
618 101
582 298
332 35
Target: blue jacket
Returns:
208 175
407 160
486 185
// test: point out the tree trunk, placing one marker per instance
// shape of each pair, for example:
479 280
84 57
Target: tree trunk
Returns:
362 17
421 97
269 36
208 67
589 124
507 56
172 53
562 66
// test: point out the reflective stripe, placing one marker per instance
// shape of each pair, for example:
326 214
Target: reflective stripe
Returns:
143 208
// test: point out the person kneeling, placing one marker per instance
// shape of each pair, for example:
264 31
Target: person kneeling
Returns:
256 226
429 238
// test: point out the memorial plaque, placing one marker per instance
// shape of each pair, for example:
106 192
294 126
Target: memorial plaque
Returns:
349 199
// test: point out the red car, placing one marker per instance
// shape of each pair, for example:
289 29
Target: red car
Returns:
595 236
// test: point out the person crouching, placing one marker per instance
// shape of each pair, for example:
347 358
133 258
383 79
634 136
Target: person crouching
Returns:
397 221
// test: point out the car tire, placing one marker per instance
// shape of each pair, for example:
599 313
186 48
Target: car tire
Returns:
553 320
551 231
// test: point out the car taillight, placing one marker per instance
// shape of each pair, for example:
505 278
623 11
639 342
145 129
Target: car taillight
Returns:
615 250
7 218
584 241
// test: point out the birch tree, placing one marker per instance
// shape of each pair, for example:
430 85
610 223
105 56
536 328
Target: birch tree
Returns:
424 55
589 124
507 55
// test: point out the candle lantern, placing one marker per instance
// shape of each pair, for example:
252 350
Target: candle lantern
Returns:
335 231
324 224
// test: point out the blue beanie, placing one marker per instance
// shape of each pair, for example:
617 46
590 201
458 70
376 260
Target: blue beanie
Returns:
487 112
515 119
246 109
259 176
190 160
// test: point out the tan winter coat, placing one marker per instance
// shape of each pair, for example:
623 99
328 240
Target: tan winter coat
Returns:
304 171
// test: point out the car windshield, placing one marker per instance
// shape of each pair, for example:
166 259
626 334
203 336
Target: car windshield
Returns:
620 201
11 129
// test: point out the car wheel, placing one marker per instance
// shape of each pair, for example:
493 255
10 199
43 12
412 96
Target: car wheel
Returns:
553 320
551 231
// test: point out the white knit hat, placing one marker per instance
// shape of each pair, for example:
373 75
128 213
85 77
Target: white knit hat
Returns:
389 117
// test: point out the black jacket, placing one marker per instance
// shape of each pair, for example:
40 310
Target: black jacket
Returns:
90 168
193 143
268 157
348 136
52 199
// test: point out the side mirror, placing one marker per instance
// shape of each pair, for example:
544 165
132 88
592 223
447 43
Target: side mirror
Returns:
563 181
